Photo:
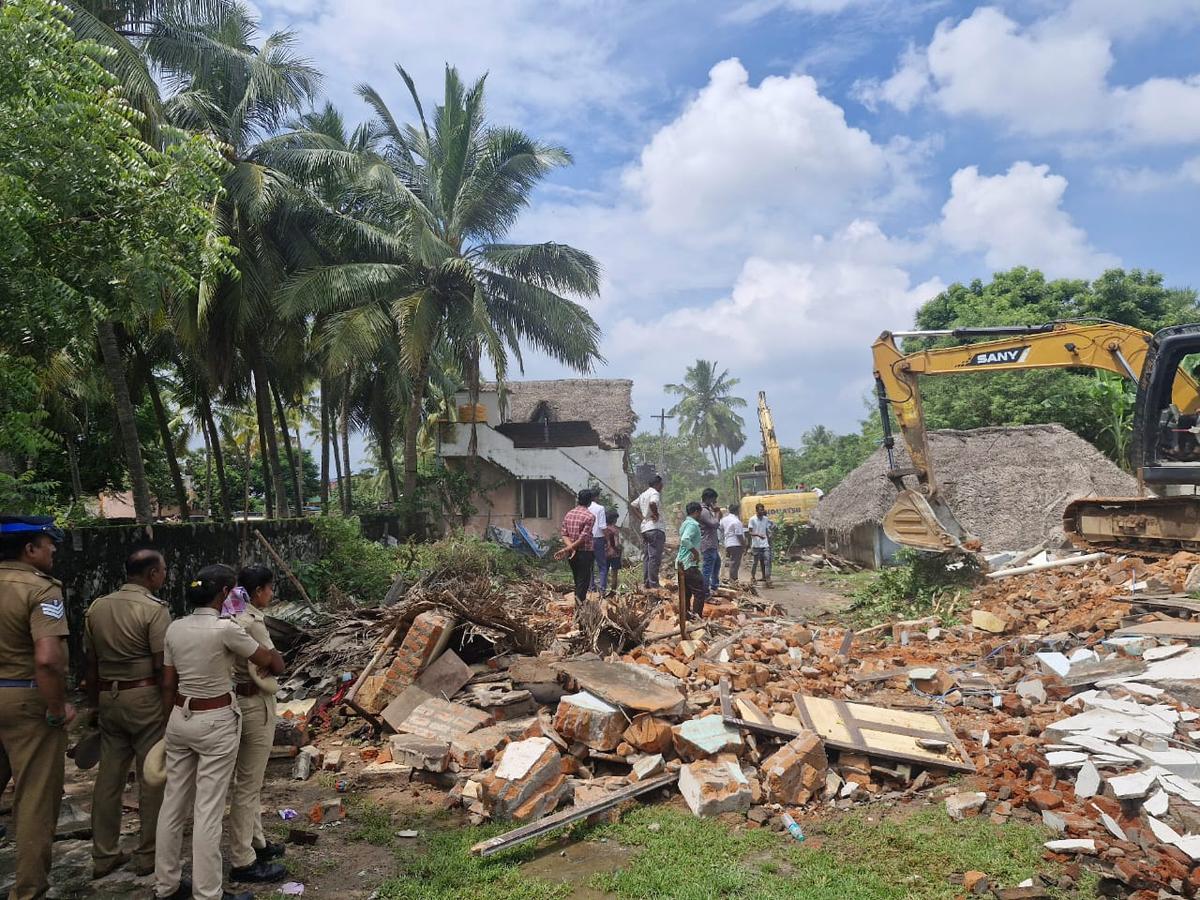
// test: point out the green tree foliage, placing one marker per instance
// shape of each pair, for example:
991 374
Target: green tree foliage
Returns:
1090 405
706 409
92 218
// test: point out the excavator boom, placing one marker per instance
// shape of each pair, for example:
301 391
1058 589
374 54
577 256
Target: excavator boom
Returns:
920 516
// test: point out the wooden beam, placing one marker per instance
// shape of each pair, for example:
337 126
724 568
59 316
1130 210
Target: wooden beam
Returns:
574 814
730 718
286 570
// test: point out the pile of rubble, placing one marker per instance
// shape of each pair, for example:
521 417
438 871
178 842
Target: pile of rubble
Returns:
1065 696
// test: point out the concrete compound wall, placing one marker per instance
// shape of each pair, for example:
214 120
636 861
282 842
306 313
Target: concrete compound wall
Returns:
90 562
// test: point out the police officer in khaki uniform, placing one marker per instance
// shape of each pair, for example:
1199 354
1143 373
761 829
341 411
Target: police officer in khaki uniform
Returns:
34 711
202 734
125 631
250 852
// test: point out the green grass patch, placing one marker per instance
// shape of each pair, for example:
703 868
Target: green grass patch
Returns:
894 859
373 824
444 869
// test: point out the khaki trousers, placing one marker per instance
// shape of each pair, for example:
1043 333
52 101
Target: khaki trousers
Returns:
131 722
35 752
245 798
201 752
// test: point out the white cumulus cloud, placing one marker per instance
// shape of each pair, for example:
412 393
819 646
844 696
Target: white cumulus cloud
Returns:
1017 219
1049 78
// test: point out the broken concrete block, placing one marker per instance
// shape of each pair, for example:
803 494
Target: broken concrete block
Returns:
932 681
649 734
1163 832
647 767
708 736
527 781
975 882
989 622
1075 845
1032 689
333 761
1054 663
587 719
795 772
420 752
441 720
961 806
1134 786
1157 803
477 749
1087 782
714 786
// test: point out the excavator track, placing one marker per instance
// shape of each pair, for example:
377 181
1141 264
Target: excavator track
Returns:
1152 527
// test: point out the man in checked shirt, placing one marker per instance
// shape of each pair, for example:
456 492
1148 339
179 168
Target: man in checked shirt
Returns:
577 545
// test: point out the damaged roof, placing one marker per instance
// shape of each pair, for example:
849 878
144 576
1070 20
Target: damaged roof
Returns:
605 403
1007 486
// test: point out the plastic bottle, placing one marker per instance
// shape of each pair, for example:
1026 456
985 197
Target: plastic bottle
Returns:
792 828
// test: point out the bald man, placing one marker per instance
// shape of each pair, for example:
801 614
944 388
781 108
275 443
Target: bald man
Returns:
124 632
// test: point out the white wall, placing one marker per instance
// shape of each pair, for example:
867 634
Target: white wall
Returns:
573 467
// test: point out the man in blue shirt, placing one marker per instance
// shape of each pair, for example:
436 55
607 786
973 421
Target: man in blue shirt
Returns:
687 560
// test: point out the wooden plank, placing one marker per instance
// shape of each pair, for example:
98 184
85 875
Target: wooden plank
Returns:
1164 601
1174 628
567 816
878 731
731 718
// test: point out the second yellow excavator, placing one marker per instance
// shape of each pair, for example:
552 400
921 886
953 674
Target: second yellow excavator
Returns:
765 484
1165 450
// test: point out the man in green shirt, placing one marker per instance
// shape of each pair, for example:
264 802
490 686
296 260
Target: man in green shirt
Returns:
687 560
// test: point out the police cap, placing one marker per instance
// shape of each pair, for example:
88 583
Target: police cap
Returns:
13 526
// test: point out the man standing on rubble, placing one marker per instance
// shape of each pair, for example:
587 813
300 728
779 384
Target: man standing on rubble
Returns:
687 560
733 533
710 543
760 528
576 529
599 556
653 530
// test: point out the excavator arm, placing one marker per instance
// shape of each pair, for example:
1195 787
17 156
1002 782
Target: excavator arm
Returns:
772 457
921 518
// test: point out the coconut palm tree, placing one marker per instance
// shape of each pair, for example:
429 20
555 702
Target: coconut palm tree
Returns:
225 85
452 189
706 408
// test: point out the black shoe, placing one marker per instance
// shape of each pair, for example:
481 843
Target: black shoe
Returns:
269 852
183 892
230 895
258 871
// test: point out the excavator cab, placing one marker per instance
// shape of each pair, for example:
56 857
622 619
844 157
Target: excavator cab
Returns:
1166 440
1165 455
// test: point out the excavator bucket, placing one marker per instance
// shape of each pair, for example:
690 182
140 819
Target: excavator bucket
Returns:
915 522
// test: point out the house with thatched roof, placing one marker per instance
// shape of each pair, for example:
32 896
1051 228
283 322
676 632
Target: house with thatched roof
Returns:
1007 486
535 444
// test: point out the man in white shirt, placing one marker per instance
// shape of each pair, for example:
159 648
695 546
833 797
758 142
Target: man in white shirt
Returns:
598 543
760 543
653 529
733 536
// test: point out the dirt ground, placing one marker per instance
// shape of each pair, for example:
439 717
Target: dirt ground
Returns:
345 862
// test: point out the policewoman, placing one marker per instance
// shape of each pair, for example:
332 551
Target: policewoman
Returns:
203 730
34 711
250 852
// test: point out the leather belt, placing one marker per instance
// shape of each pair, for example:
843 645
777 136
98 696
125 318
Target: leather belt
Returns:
203 704
114 686
248 689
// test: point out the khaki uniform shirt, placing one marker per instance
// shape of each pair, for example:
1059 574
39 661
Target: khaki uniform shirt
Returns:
254 620
202 648
31 608
124 630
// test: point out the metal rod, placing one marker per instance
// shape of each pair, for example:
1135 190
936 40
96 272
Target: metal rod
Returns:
1124 363
286 570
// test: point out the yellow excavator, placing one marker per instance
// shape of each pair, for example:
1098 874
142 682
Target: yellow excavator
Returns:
1165 450
765 484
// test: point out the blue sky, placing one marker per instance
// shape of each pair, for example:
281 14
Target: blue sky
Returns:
771 183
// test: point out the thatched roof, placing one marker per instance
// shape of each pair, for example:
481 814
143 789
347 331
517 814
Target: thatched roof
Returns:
605 403
1007 486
